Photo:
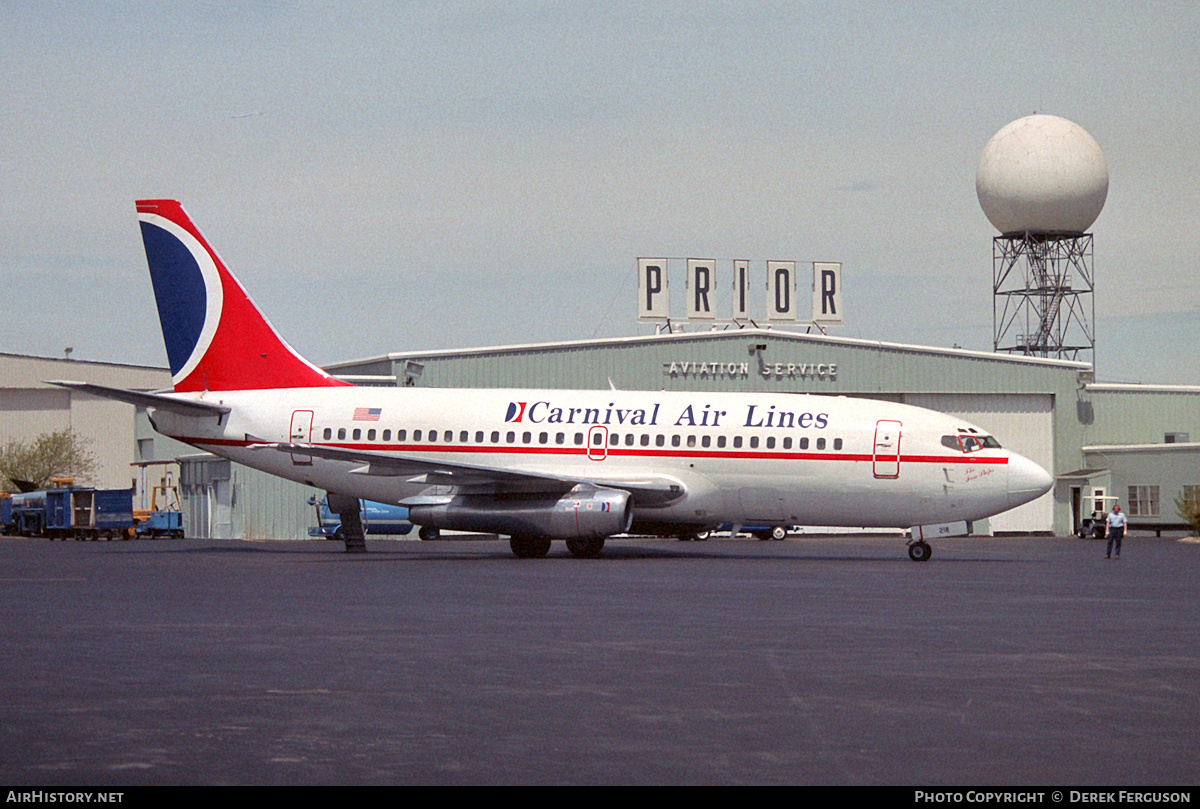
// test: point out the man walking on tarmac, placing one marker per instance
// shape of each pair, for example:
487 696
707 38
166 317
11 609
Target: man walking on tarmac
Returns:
1116 530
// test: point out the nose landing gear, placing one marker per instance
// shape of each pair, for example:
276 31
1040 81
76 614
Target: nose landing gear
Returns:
919 551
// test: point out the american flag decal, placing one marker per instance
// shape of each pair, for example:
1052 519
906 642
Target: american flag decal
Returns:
367 413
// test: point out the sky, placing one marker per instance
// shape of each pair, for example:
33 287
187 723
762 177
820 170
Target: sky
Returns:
401 176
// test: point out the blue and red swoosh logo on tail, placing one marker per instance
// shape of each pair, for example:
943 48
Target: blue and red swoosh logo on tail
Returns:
216 337
516 411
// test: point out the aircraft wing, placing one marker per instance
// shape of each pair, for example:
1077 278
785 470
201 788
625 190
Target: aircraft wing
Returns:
651 489
184 407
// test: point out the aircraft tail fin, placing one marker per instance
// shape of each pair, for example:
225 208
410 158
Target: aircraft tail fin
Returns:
216 337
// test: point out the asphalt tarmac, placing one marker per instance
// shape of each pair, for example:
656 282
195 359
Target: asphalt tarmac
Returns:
819 660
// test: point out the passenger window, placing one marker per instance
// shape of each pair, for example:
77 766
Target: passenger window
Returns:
660 440
645 440
341 433
416 435
328 433
432 435
543 438
771 442
463 437
387 435
371 435
560 438
803 443
510 437
613 439
479 436
754 442
787 443
737 442
401 435
820 443
597 438
357 434
495 436
720 442
526 437
629 439
837 443
674 440
706 441
578 439
691 440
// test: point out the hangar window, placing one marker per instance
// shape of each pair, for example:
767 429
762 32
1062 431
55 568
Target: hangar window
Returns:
1143 501
328 433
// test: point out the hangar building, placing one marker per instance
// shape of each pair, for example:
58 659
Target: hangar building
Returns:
1132 442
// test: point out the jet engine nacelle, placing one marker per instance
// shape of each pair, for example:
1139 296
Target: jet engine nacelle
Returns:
581 513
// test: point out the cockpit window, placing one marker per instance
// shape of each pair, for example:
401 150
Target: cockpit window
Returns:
970 443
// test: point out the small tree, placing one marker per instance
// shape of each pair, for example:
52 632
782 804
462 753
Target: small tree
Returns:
62 453
1187 504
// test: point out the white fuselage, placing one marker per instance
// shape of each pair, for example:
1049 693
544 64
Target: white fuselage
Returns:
739 458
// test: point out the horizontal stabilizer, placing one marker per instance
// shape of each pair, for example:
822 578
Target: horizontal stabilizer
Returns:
159 401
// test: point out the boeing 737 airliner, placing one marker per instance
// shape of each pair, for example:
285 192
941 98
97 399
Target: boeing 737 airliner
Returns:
543 465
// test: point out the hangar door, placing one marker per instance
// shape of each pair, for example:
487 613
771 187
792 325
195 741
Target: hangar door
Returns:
1022 422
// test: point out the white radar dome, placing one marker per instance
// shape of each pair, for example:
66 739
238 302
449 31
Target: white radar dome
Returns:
1042 174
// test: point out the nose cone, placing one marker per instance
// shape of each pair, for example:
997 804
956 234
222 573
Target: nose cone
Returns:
1026 481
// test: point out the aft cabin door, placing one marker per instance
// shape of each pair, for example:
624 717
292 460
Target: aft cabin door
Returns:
886 457
301 434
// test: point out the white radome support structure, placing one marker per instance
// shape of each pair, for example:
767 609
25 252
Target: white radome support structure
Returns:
1042 182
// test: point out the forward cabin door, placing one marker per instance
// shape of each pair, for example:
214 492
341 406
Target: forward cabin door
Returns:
301 433
886 456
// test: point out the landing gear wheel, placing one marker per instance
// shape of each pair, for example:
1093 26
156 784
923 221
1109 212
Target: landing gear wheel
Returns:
920 552
529 547
779 533
585 548
428 534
